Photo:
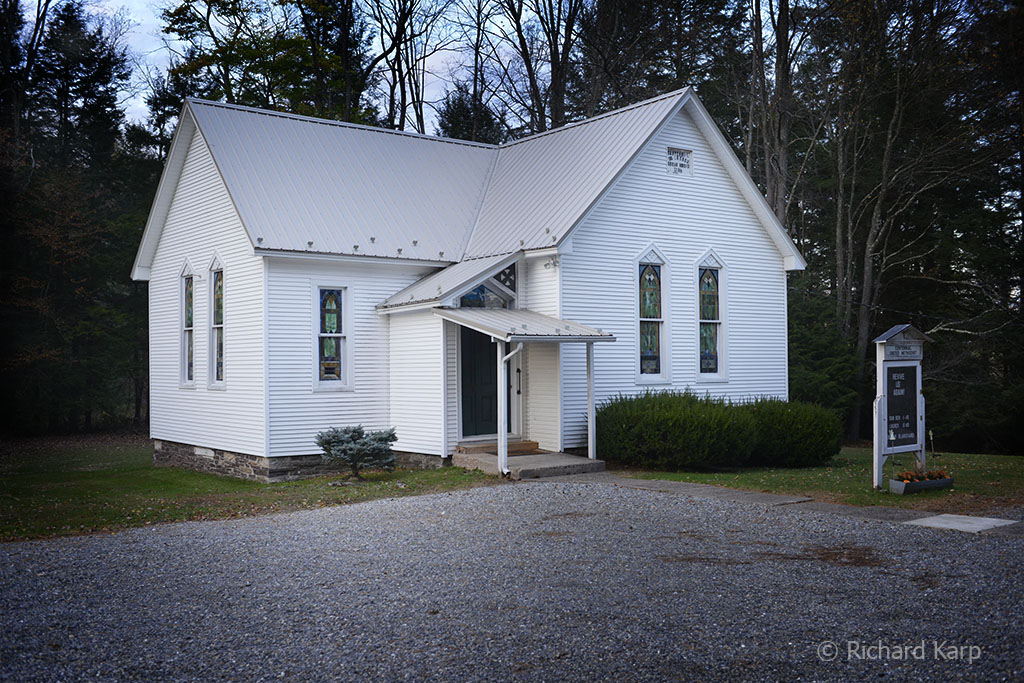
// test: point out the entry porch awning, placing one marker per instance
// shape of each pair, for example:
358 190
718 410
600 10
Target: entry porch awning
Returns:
522 325
518 325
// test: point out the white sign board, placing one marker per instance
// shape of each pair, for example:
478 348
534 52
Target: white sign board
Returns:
904 351
899 403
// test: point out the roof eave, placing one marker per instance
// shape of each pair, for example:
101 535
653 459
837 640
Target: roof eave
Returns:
452 290
792 258
561 339
158 210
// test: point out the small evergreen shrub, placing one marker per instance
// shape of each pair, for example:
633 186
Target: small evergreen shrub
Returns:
674 431
358 449
793 434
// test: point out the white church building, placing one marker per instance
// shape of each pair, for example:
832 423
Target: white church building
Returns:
306 273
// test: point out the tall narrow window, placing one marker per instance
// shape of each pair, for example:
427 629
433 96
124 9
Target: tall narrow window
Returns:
217 326
710 320
651 319
331 341
187 340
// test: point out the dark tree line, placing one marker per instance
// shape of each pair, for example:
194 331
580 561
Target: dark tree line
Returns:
886 135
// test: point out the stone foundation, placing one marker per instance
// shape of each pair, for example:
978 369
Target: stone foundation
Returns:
263 469
421 461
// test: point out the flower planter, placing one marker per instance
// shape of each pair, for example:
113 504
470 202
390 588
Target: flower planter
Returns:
903 487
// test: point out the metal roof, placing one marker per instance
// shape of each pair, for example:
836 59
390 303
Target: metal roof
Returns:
449 281
304 184
522 325
543 185
906 329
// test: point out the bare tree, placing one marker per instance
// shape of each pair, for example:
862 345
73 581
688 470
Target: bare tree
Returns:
540 35
473 19
883 164
433 33
409 33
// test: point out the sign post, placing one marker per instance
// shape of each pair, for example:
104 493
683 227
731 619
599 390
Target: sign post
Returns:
899 403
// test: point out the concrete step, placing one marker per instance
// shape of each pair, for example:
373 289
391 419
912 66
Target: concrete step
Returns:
514 447
530 466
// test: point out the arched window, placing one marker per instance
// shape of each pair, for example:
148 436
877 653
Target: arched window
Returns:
217 324
651 319
710 320
187 326
331 337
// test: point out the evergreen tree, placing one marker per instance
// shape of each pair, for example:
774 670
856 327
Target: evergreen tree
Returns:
460 117
73 92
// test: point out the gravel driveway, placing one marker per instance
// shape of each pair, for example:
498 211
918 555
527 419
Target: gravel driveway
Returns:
535 581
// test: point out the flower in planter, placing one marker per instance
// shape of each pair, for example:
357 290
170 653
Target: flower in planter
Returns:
911 476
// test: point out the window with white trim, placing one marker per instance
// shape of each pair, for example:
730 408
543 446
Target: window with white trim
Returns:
710 318
331 336
187 329
651 318
217 325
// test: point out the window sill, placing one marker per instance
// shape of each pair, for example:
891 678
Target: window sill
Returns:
218 386
331 388
712 379
653 379
191 386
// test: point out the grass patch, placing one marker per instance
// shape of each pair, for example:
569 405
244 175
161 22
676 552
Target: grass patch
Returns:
982 482
58 488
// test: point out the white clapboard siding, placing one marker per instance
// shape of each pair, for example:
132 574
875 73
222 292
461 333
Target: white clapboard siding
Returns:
683 216
541 394
541 407
299 407
202 222
417 353
451 380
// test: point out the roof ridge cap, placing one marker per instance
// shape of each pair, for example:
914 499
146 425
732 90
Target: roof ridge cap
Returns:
340 124
607 114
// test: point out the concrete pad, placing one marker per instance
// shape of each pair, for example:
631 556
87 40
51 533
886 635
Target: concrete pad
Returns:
962 523
530 466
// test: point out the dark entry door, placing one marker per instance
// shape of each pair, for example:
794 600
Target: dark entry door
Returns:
479 368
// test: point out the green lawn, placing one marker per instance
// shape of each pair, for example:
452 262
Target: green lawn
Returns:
981 482
57 488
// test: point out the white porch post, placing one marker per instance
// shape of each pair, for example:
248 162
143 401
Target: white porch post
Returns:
591 445
502 409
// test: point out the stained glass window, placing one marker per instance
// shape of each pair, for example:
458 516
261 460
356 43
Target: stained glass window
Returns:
331 338
650 347
710 320
188 361
650 291
650 319
217 326
482 297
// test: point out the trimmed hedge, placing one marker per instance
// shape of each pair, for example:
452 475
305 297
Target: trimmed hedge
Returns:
674 431
681 431
794 434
